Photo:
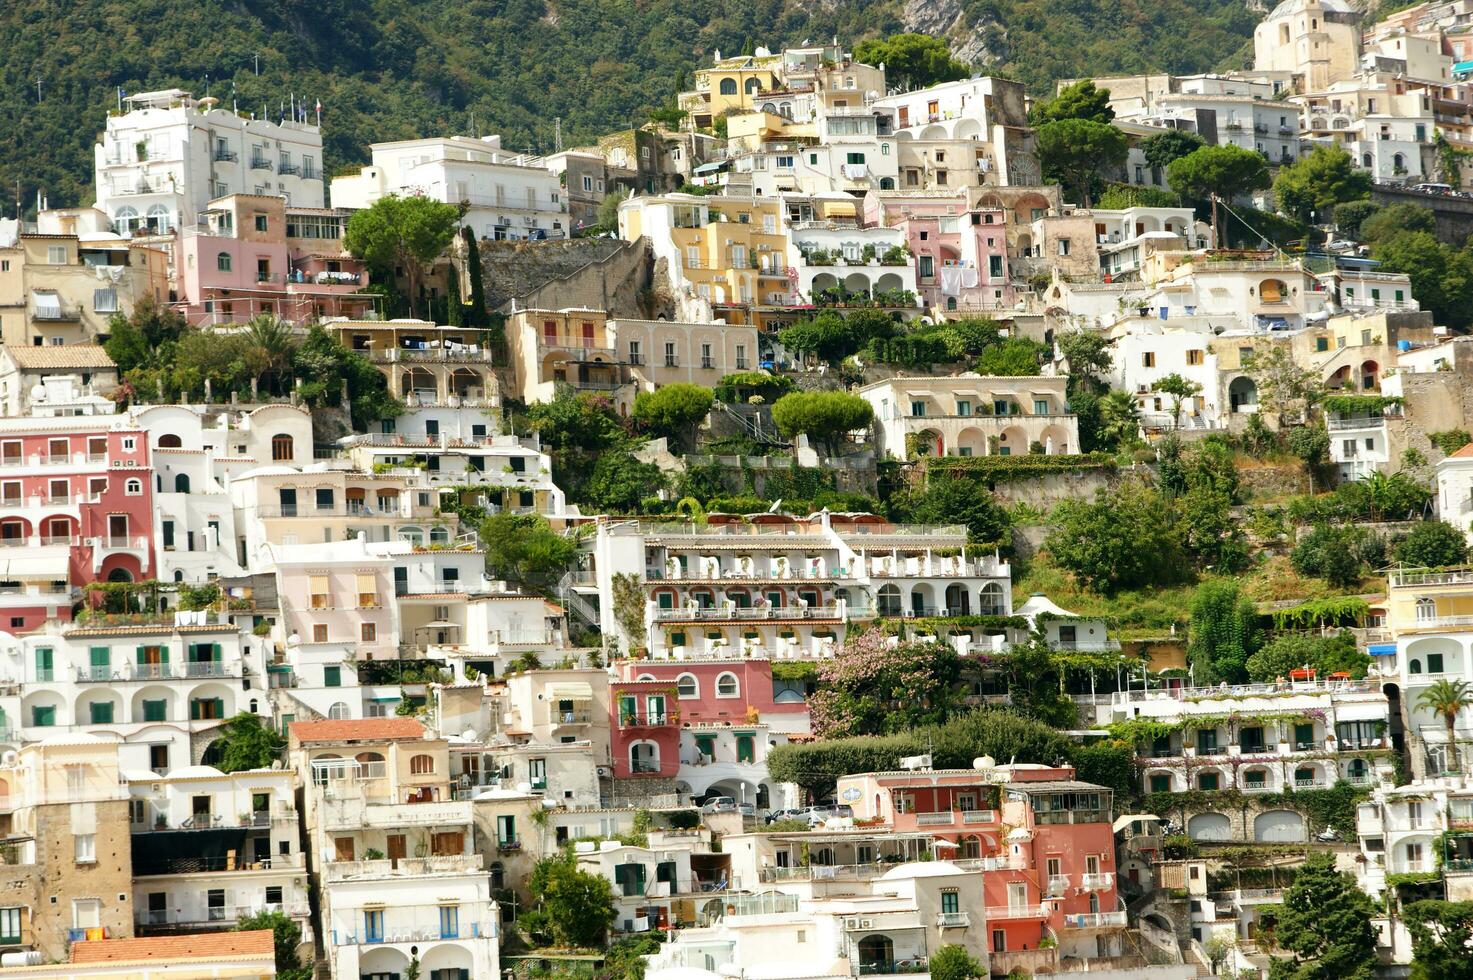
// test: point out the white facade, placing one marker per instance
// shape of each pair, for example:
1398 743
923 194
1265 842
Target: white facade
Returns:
511 195
168 155
972 415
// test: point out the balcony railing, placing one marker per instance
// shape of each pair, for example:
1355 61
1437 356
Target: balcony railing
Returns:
1094 920
704 613
260 163
890 968
996 912
223 155
953 920
1098 881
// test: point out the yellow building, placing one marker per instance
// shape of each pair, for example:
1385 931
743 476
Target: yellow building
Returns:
726 256
732 84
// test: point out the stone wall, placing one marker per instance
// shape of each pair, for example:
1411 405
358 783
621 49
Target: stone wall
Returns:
649 792
109 878
589 273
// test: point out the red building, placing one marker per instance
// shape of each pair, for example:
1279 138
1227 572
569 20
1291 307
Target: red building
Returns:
725 691
1043 839
76 506
644 737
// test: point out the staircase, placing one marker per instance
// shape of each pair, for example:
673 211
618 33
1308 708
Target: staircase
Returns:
752 426
574 602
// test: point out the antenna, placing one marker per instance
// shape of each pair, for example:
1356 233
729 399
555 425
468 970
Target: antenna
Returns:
557 134
256 58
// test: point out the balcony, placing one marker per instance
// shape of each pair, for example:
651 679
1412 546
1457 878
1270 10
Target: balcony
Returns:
998 912
1057 885
953 920
1100 881
645 720
1095 920
260 163
891 968
715 613
220 915
56 314
222 155
645 767
289 168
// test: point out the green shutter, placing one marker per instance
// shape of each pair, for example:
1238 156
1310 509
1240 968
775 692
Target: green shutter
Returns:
219 707
101 656
332 676
101 712
215 652
155 710
142 656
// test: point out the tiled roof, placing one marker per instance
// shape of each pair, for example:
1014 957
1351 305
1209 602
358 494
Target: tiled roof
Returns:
356 729
1464 453
256 943
61 356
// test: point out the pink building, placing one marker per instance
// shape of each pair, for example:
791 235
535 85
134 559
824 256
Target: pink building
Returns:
644 732
254 254
720 691
1043 839
960 253
76 506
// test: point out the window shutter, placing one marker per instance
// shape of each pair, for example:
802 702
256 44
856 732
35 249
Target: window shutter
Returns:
141 655
194 709
219 707
215 652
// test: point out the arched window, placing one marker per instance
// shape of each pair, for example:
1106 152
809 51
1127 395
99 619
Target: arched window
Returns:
1426 610
255 706
421 765
687 687
222 262
169 441
752 85
887 183
281 447
338 712
888 601
728 86
727 686
1415 667
133 488
125 220
178 575
181 483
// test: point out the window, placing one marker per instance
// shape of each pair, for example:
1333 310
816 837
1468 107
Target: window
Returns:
368 633
1040 406
373 925
324 498
670 359
85 847
317 585
1063 246
281 447
43 716
332 676
1160 783
422 765
506 829
1148 359
449 922
260 222
86 913
1194 357
963 407
10 926
918 409
687 687
319 632
1208 781
950 902
100 712
727 686
155 710
105 300
56 254
367 591
854 158
222 262
133 488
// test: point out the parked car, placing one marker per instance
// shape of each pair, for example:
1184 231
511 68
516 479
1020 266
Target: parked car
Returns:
719 804
1431 188
794 813
1340 245
747 809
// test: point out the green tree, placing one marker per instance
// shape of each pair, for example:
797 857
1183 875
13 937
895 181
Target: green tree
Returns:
1432 544
454 308
1014 357
1216 173
275 344
246 743
1173 144
1325 654
823 416
1075 152
961 500
1325 926
407 233
1223 634
673 410
1393 219
1447 698
619 482
831 337
145 336
1117 541
570 906
912 61
1283 386
325 366
1330 553
1442 934
1088 354
475 314
1180 389
1120 418
1351 217
524 549
1313 185
1081 100
1441 276
953 962
286 936
608 211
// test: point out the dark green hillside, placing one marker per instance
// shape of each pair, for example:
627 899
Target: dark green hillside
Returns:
387 69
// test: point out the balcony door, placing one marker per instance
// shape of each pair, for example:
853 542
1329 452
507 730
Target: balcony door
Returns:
1017 894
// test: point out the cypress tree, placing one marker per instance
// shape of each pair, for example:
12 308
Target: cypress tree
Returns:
476 315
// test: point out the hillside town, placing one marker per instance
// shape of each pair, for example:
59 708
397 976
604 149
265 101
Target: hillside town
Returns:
867 520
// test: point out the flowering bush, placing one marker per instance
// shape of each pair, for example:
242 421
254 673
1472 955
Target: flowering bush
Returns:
872 688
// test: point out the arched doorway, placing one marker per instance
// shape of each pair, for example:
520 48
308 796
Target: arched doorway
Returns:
876 954
120 575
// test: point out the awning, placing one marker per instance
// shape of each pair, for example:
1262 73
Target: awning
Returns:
707 168
47 563
1122 822
570 691
1381 649
838 209
48 304
387 698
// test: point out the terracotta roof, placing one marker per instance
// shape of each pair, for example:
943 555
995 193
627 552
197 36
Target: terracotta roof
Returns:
349 729
61 356
254 944
1463 453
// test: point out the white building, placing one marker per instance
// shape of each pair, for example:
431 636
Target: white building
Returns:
972 415
510 195
210 847
168 155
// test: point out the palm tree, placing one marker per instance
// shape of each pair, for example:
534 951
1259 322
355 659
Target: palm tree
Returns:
1120 417
274 342
1447 698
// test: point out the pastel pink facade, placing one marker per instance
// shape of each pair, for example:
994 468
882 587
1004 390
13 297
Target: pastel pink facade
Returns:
254 255
719 691
961 258
340 605
1043 840
644 732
